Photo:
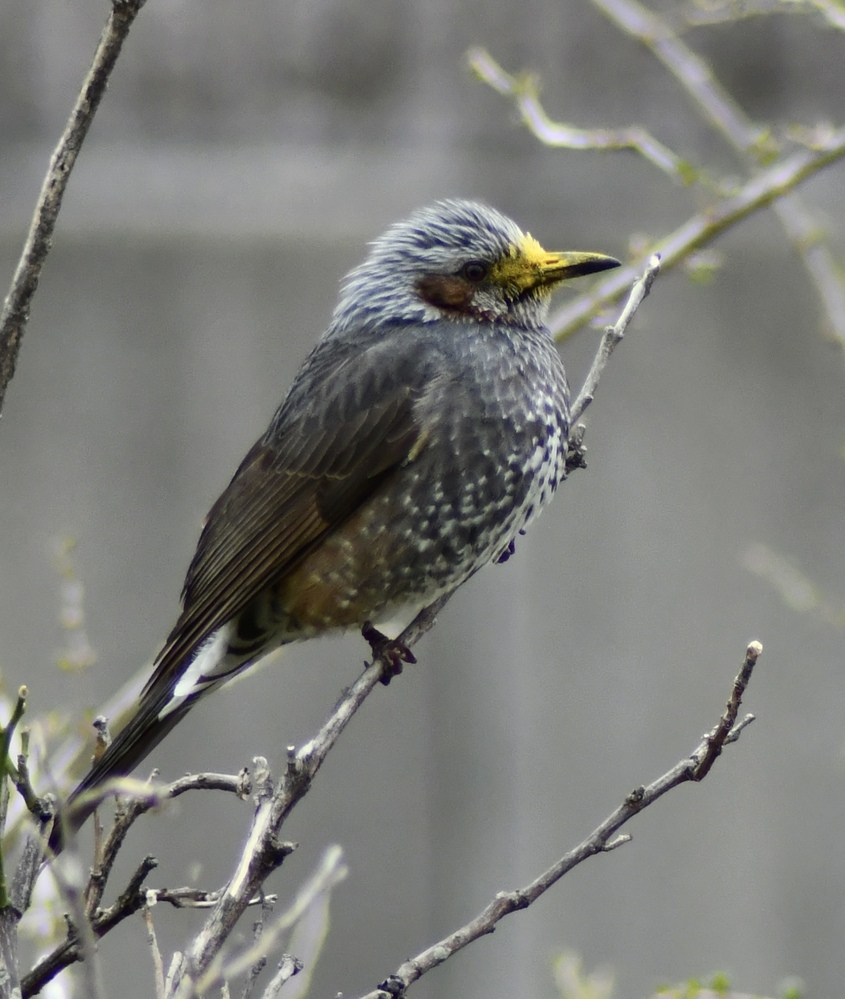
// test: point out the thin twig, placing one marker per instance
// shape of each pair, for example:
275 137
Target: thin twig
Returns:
257 930
524 92
155 951
288 967
137 798
82 935
761 190
8 769
135 898
197 898
612 336
329 872
16 307
752 143
727 725
696 14
601 840
261 853
82 932
144 796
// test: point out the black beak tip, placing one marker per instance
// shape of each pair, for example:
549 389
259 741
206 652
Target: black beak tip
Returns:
595 266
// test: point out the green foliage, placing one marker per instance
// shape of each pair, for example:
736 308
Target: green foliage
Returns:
574 983
720 983
792 988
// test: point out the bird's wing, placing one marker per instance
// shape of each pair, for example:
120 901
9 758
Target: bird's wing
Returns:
350 419
347 423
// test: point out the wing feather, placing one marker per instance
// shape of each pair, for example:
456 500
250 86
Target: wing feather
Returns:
344 427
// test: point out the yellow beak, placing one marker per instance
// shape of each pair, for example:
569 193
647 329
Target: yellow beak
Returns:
529 266
556 267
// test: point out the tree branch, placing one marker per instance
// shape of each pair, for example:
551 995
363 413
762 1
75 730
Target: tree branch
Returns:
263 852
134 897
612 336
761 190
16 307
83 932
603 839
697 14
524 92
753 144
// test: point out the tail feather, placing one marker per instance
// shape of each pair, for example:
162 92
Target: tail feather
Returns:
133 743
175 686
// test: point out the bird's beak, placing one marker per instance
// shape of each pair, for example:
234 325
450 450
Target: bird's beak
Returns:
528 266
554 267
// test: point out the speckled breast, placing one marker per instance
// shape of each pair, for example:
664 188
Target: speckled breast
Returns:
497 422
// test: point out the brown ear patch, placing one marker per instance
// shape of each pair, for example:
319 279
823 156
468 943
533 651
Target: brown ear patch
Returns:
444 291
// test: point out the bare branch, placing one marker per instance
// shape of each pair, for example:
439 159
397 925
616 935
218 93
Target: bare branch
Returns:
601 840
713 743
136 799
736 731
524 92
330 871
261 963
84 931
761 190
691 71
38 807
196 898
80 944
612 336
722 11
16 307
263 852
754 145
288 967
135 897
158 963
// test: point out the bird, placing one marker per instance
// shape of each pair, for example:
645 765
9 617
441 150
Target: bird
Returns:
423 433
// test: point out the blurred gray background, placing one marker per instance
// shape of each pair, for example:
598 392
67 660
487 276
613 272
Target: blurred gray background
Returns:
242 157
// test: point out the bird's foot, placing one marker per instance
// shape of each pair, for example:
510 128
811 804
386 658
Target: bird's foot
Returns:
506 554
576 453
390 652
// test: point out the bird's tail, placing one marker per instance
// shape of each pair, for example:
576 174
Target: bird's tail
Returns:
175 686
143 732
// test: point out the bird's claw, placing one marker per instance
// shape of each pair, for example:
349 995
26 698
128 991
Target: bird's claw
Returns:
506 554
390 652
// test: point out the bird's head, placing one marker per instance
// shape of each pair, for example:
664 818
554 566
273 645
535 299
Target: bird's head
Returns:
463 261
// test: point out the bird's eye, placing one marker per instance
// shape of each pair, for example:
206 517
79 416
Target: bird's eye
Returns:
475 271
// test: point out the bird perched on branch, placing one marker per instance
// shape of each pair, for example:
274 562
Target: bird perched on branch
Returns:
424 431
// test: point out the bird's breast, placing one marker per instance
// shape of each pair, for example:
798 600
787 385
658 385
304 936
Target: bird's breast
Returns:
489 456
